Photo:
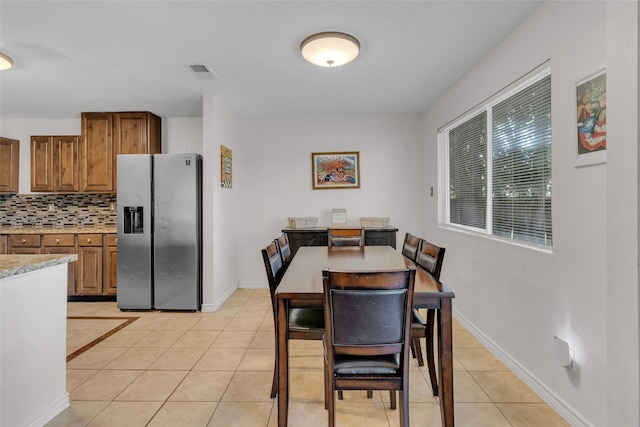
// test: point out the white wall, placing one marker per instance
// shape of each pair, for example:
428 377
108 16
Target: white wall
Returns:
622 372
516 299
221 213
273 161
182 135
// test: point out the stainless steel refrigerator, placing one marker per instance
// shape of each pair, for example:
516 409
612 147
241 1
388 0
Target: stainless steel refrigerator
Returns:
159 225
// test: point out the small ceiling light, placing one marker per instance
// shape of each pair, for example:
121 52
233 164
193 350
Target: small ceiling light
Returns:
330 49
5 62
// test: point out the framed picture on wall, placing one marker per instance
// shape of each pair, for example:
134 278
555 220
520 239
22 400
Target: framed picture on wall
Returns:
226 163
335 170
591 122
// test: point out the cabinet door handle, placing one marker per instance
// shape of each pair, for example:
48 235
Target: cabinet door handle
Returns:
88 240
24 241
116 240
57 240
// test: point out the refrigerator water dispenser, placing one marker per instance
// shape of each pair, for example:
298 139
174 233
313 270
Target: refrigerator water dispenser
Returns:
133 222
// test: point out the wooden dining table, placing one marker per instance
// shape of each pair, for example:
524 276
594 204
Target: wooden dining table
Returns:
301 286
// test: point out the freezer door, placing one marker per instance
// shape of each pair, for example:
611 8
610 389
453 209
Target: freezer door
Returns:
135 238
177 238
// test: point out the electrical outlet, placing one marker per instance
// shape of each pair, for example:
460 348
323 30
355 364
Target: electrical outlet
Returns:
52 208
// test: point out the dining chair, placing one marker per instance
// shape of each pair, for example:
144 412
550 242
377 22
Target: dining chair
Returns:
282 242
368 331
410 246
304 323
346 236
429 258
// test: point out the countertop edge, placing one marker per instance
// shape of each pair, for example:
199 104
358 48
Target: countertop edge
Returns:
57 230
13 265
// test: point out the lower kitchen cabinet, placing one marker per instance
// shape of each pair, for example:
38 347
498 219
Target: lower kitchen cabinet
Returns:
62 244
24 244
94 274
110 282
89 265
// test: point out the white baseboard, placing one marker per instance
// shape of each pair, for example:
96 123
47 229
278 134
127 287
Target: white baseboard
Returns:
210 308
545 393
253 285
58 406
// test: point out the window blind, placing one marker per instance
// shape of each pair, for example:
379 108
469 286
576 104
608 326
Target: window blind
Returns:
498 165
468 172
521 165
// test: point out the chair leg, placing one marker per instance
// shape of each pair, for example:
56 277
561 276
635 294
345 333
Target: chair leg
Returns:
416 349
430 354
274 384
404 407
326 387
332 406
392 399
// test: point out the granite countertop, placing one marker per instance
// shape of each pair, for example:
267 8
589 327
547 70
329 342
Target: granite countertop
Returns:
12 265
52 229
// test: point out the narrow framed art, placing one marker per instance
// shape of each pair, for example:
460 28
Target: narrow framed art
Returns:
335 170
591 122
226 164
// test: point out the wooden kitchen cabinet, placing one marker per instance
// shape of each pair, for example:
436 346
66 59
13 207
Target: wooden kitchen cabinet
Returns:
89 264
97 153
137 133
110 282
66 175
104 136
62 244
41 163
24 244
9 165
96 271
54 163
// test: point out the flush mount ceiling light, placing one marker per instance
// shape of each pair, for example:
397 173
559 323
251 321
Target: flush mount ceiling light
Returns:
5 62
330 49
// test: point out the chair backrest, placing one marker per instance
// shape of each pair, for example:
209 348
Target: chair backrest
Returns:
368 313
410 246
273 266
430 258
353 236
283 246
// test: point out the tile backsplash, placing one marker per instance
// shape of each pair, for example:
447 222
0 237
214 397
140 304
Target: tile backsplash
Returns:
57 209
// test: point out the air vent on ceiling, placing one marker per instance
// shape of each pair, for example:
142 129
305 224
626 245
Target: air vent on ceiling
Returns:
202 71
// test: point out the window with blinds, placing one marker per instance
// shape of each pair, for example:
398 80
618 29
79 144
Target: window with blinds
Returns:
497 165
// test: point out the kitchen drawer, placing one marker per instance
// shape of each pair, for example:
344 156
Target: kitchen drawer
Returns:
89 239
24 240
57 240
111 240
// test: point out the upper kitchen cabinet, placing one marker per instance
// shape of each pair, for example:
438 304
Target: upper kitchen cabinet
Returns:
105 135
97 153
54 163
136 133
9 163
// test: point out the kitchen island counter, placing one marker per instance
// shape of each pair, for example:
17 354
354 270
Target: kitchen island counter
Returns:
11 265
33 315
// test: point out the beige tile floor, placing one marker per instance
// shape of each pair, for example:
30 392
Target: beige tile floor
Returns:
215 369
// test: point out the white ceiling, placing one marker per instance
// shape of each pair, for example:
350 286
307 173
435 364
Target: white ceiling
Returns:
74 56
